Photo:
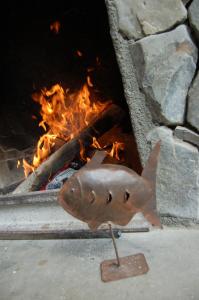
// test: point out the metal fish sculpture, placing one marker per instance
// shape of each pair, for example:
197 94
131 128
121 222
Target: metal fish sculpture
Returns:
99 193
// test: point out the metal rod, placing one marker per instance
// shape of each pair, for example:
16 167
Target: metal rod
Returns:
47 234
114 244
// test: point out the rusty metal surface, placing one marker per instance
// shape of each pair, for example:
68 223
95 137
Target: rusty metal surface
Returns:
99 193
130 266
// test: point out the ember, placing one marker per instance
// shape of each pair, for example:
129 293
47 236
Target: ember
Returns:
79 53
55 27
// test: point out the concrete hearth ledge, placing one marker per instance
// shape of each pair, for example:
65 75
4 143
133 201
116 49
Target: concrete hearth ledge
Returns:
39 213
69 269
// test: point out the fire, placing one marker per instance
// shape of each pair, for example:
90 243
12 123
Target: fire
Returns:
64 114
115 150
18 164
27 168
82 152
95 144
55 27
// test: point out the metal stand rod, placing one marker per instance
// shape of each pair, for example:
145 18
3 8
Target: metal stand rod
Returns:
114 244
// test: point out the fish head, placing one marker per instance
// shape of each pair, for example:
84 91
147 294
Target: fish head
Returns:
70 194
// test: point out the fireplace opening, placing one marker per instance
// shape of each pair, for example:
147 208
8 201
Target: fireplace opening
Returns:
63 51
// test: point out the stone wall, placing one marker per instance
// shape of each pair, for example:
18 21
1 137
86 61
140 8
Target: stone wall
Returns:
156 44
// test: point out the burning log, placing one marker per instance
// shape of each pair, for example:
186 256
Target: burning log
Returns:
111 116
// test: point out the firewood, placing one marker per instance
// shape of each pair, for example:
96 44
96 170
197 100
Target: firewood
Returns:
111 116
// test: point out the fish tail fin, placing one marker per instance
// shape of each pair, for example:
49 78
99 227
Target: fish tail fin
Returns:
96 160
152 217
149 173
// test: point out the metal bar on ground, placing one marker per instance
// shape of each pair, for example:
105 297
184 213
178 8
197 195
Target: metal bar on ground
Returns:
45 234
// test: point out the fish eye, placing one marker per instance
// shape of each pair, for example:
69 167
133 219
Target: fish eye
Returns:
72 190
110 197
93 196
126 196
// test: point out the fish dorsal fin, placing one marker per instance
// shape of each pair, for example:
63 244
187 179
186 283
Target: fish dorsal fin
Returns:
149 172
96 160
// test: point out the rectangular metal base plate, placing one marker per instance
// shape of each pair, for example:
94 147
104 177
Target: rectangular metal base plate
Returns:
132 265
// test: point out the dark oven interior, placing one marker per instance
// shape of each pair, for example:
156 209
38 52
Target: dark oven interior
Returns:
47 44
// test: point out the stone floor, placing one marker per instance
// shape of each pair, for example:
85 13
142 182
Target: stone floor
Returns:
69 269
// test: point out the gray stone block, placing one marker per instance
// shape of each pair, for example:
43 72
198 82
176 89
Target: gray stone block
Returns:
139 112
193 14
138 18
193 104
187 135
165 65
177 185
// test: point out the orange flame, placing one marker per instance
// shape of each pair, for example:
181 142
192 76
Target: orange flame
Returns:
55 27
27 168
114 152
18 164
82 152
95 144
64 115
